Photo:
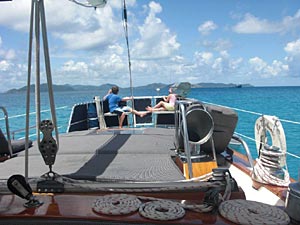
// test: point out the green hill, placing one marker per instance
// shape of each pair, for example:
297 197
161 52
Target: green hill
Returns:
68 87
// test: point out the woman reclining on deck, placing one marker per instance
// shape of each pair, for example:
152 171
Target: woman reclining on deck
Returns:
168 103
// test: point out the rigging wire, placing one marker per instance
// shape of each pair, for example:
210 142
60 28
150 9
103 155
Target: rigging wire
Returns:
48 70
252 112
33 113
125 22
28 91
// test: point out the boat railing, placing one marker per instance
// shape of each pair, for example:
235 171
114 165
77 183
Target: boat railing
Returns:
180 117
246 148
7 129
17 133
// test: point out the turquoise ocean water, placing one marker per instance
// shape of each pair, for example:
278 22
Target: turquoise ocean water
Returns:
283 102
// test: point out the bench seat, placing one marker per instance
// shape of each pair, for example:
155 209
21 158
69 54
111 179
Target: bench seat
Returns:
114 114
164 112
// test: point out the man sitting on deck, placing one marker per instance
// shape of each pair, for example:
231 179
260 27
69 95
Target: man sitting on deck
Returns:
113 104
168 103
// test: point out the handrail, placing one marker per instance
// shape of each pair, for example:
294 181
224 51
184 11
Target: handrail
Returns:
14 132
185 136
250 159
7 129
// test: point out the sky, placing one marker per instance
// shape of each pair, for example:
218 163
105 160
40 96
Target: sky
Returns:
170 41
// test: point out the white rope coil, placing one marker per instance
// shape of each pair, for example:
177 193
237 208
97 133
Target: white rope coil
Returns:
262 175
155 208
116 204
269 164
162 210
250 212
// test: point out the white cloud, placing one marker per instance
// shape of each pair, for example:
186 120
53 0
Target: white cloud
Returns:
88 47
291 23
207 27
204 58
78 27
293 48
12 75
71 66
7 54
156 40
262 68
257 64
235 63
277 68
92 30
253 25
218 45
16 14
4 65
293 57
10 54
5 57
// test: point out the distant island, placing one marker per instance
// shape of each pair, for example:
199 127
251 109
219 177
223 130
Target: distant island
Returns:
68 87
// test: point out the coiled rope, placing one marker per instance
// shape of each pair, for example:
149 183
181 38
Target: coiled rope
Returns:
265 163
250 212
271 165
154 208
116 204
162 210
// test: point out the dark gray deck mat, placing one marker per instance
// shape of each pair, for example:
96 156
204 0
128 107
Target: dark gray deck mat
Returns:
146 167
144 155
135 157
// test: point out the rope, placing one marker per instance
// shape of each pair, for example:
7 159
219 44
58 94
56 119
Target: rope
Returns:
154 208
269 167
161 210
116 204
262 175
177 186
48 70
37 69
28 91
250 212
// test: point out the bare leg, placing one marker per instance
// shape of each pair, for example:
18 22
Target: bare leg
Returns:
150 109
141 114
121 119
159 105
